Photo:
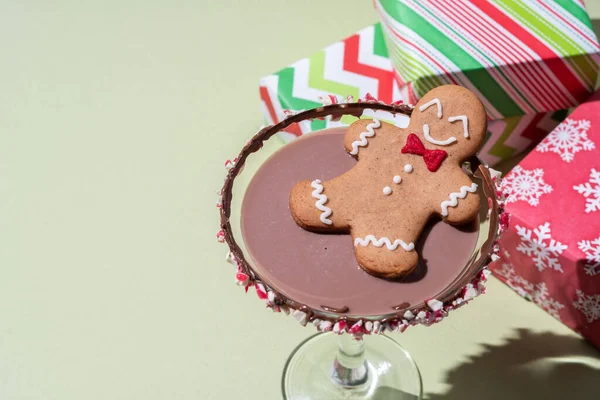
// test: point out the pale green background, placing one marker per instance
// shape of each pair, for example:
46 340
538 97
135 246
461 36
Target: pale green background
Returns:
115 120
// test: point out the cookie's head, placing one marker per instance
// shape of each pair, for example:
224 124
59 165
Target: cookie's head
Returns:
450 118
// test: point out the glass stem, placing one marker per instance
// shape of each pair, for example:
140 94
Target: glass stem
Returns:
350 365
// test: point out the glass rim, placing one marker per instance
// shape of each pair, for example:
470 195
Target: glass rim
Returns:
471 274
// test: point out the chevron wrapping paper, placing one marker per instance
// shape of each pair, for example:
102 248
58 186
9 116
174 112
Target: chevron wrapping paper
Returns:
361 64
521 57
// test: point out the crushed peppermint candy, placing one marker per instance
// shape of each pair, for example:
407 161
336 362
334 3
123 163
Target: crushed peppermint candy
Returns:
221 236
356 328
229 164
328 99
301 317
435 304
340 326
290 113
260 291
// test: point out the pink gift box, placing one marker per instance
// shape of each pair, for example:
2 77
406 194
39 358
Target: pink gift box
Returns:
551 253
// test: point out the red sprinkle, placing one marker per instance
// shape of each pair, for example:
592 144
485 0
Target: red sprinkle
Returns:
260 292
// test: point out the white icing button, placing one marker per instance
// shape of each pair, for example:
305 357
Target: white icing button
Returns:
387 190
397 179
408 168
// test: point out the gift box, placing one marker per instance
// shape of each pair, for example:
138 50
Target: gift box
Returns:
360 66
520 57
551 252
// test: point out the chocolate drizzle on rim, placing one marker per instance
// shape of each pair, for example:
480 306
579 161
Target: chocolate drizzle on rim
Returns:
402 306
341 310
331 313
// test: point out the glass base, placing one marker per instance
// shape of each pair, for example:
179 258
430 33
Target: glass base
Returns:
309 373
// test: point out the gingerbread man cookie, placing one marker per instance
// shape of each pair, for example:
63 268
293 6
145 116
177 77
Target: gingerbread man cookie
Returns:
402 178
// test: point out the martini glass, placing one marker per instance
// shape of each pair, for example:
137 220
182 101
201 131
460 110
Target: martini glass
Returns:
351 359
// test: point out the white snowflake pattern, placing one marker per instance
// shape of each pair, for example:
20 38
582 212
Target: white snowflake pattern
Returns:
568 138
538 292
542 249
526 185
591 193
591 248
589 305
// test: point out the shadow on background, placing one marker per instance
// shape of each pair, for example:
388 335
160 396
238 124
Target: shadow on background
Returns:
531 366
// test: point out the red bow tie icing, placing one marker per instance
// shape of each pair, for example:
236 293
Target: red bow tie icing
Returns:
433 158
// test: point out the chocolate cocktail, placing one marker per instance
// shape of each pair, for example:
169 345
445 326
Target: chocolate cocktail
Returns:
316 276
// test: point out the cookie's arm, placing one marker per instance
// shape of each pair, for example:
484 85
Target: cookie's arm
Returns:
462 203
311 207
362 135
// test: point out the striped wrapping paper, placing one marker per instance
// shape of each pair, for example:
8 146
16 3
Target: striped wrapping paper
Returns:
520 57
360 64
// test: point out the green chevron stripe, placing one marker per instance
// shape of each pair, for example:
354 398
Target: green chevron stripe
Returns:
379 47
284 93
317 124
316 78
499 149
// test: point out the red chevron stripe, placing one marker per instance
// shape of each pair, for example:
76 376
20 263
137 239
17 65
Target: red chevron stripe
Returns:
294 129
351 64
264 95
553 60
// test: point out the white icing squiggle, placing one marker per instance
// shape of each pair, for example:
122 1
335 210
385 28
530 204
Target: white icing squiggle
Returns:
465 122
430 103
453 202
321 200
384 240
364 135
430 139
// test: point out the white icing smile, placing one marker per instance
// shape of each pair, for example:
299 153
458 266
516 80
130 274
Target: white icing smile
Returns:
432 140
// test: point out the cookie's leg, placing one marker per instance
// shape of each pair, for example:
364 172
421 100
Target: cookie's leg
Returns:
387 251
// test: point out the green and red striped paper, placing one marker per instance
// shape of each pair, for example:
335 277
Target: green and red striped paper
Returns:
359 65
520 57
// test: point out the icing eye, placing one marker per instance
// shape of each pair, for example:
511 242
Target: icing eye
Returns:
430 103
465 122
